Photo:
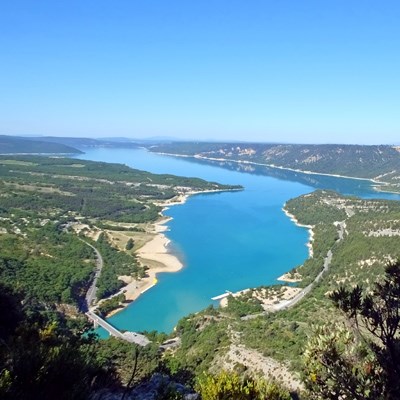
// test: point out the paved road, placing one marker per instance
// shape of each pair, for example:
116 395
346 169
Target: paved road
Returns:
307 289
91 293
131 337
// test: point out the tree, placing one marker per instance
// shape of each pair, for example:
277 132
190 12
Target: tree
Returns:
361 359
129 244
45 356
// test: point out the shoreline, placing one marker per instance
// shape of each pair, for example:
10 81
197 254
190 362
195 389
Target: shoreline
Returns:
156 256
372 180
290 290
310 232
286 277
183 197
155 253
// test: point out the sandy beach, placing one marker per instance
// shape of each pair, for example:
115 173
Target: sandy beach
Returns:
290 277
154 254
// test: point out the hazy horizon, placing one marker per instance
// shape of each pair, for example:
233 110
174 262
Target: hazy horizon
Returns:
194 140
283 72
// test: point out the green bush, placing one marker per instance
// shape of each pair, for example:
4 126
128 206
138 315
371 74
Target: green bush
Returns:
231 386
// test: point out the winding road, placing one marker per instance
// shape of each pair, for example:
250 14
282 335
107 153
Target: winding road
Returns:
131 337
91 293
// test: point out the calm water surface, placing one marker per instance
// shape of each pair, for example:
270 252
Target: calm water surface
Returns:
227 241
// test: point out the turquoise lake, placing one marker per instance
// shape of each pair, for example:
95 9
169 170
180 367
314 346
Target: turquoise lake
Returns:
227 241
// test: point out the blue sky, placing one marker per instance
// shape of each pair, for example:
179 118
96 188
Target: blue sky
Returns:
323 71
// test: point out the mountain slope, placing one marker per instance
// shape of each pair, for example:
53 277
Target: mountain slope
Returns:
381 163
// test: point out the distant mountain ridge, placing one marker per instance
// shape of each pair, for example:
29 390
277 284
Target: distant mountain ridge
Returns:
57 145
22 145
82 142
381 163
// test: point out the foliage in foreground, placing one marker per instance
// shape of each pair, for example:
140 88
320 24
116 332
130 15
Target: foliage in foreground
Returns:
44 356
203 336
229 385
362 361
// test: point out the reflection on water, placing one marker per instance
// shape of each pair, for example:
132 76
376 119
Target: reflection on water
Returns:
348 186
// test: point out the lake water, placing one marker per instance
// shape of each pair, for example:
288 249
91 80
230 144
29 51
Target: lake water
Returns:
227 241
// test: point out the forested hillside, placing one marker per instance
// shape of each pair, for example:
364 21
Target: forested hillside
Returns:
381 163
363 236
43 199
